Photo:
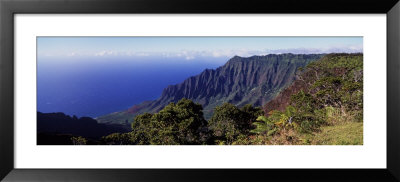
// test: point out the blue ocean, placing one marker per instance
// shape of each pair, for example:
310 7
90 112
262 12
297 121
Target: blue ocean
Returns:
95 88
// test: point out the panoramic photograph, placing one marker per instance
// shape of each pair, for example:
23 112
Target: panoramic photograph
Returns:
199 90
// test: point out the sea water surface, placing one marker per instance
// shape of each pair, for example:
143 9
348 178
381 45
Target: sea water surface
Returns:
97 87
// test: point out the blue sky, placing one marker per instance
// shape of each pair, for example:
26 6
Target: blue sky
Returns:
189 48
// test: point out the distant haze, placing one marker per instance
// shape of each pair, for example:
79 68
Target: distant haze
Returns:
190 48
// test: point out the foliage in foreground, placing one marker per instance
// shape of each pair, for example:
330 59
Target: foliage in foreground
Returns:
333 87
183 124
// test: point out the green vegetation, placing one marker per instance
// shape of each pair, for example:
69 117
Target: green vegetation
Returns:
349 133
117 139
78 140
228 122
183 124
180 123
328 110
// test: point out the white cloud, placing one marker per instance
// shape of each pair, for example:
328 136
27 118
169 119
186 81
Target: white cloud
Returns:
220 53
189 57
72 54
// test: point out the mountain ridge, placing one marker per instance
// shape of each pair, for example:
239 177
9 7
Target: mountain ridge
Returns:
241 80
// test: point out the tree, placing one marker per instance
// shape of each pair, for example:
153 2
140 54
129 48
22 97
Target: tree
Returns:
252 113
180 123
303 102
329 91
141 129
306 113
228 122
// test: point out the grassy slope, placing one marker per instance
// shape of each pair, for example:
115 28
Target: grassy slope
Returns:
348 133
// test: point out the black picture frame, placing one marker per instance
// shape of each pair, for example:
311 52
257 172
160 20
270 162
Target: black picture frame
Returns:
8 8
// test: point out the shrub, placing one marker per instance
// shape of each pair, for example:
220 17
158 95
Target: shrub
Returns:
78 140
117 139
